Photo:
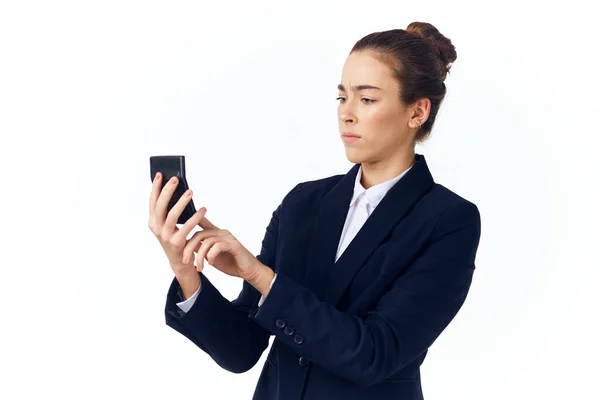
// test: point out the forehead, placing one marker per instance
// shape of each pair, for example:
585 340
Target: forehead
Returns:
361 68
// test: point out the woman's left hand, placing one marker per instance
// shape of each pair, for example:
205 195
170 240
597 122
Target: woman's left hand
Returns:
222 250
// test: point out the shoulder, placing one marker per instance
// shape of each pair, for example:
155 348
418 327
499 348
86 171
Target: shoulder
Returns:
439 202
441 211
454 211
449 199
313 189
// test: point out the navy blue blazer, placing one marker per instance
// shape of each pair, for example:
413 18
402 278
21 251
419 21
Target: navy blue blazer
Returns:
358 328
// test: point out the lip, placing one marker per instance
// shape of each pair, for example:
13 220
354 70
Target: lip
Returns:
350 134
349 138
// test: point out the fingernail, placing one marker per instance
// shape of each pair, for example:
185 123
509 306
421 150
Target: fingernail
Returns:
185 260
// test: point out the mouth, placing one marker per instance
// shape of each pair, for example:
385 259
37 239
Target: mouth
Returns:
348 137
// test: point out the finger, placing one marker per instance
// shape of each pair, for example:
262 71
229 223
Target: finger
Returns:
177 209
155 192
192 222
203 250
192 244
160 212
206 224
216 249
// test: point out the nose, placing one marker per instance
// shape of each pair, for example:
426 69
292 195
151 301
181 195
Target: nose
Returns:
346 116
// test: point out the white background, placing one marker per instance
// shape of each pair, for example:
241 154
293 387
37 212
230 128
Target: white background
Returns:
246 90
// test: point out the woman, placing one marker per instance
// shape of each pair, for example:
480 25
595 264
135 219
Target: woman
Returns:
359 273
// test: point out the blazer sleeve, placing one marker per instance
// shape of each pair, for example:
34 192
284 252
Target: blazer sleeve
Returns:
404 323
222 328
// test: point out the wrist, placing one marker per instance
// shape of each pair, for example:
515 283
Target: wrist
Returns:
261 279
189 283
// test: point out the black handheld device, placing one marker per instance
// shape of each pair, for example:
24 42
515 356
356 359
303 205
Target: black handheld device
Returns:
170 166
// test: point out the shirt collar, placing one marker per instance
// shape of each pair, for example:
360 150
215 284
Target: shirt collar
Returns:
375 193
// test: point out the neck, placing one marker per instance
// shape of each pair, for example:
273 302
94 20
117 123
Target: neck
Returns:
374 173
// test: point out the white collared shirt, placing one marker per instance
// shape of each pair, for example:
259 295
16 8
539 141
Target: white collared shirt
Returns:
369 198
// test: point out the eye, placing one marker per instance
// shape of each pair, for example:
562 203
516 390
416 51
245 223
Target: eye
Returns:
365 100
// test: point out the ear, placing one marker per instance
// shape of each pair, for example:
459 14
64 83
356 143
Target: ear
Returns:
419 112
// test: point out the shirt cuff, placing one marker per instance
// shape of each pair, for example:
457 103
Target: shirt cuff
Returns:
262 298
187 304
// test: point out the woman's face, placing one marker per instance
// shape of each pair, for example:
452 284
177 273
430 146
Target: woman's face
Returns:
370 106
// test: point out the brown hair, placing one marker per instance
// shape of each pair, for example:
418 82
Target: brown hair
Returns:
420 58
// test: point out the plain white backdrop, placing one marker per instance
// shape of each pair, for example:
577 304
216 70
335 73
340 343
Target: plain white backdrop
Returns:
246 91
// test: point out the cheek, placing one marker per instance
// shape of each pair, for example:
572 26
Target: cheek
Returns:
380 121
383 128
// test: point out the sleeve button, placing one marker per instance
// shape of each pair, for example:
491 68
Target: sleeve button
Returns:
280 323
298 339
288 330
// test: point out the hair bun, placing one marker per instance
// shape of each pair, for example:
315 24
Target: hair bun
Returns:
445 49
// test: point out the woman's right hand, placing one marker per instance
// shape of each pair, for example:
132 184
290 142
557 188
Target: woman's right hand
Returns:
172 239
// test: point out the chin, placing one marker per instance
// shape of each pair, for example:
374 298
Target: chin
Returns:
355 157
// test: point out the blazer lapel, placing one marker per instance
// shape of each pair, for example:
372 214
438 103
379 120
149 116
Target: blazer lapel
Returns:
329 279
327 232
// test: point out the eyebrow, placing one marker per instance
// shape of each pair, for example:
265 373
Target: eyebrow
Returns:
358 87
